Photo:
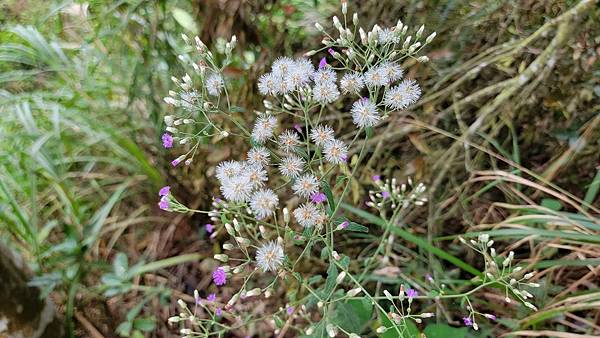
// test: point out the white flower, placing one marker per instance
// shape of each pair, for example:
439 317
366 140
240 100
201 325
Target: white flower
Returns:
288 141
321 134
336 152
214 84
229 169
402 95
237 189
263 128
256 174
324 76
306 215
268 84
376 76
281 66
392 71
258 156
305 66
263 203
325 92
269 257
297 77
352 83
291 166
306 185
386 36
364 113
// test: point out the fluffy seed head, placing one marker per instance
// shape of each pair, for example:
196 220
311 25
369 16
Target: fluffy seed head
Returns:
263 203
306 185
352 83
306 215
256 175
402 95
291 166
263 128
269 84
321 134
237 189
325 92
364 113
269 256
336 152
214 84
258 156
288 141
229 169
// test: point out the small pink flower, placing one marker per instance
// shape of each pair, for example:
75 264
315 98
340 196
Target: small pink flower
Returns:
164 203
209 228
412 293
175 162
376 178
219 276
330 51
289 310
323 63
164 191
167 140
344 225
211 298
219 312
467 321
298 127
318 197
385 194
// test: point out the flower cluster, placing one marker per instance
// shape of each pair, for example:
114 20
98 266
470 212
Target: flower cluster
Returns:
296 160
390 193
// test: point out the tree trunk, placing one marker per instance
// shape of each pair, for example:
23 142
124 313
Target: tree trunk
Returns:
22 313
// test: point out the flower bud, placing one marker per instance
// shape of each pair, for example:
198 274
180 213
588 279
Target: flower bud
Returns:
340 277
221 257
228 246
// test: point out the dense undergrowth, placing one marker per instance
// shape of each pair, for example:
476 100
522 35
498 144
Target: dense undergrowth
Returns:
505 136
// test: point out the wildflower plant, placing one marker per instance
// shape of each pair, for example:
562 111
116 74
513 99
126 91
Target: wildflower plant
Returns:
285 199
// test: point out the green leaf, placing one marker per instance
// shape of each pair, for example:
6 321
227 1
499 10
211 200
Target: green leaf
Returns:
332 273
552 204
144 324
329 194
357 227
444 331
185 20
353 315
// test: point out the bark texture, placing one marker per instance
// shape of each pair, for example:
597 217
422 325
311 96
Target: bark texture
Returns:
22 313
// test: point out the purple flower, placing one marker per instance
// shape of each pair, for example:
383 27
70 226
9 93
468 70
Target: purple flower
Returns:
376 178
211 298
164 203
289 310
323 63
344 159
219 312
298 127
385 194
167 140
209 228
164 191
467 321
219 276
412 293
429 278
330 51
318 197
175 162
344 224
